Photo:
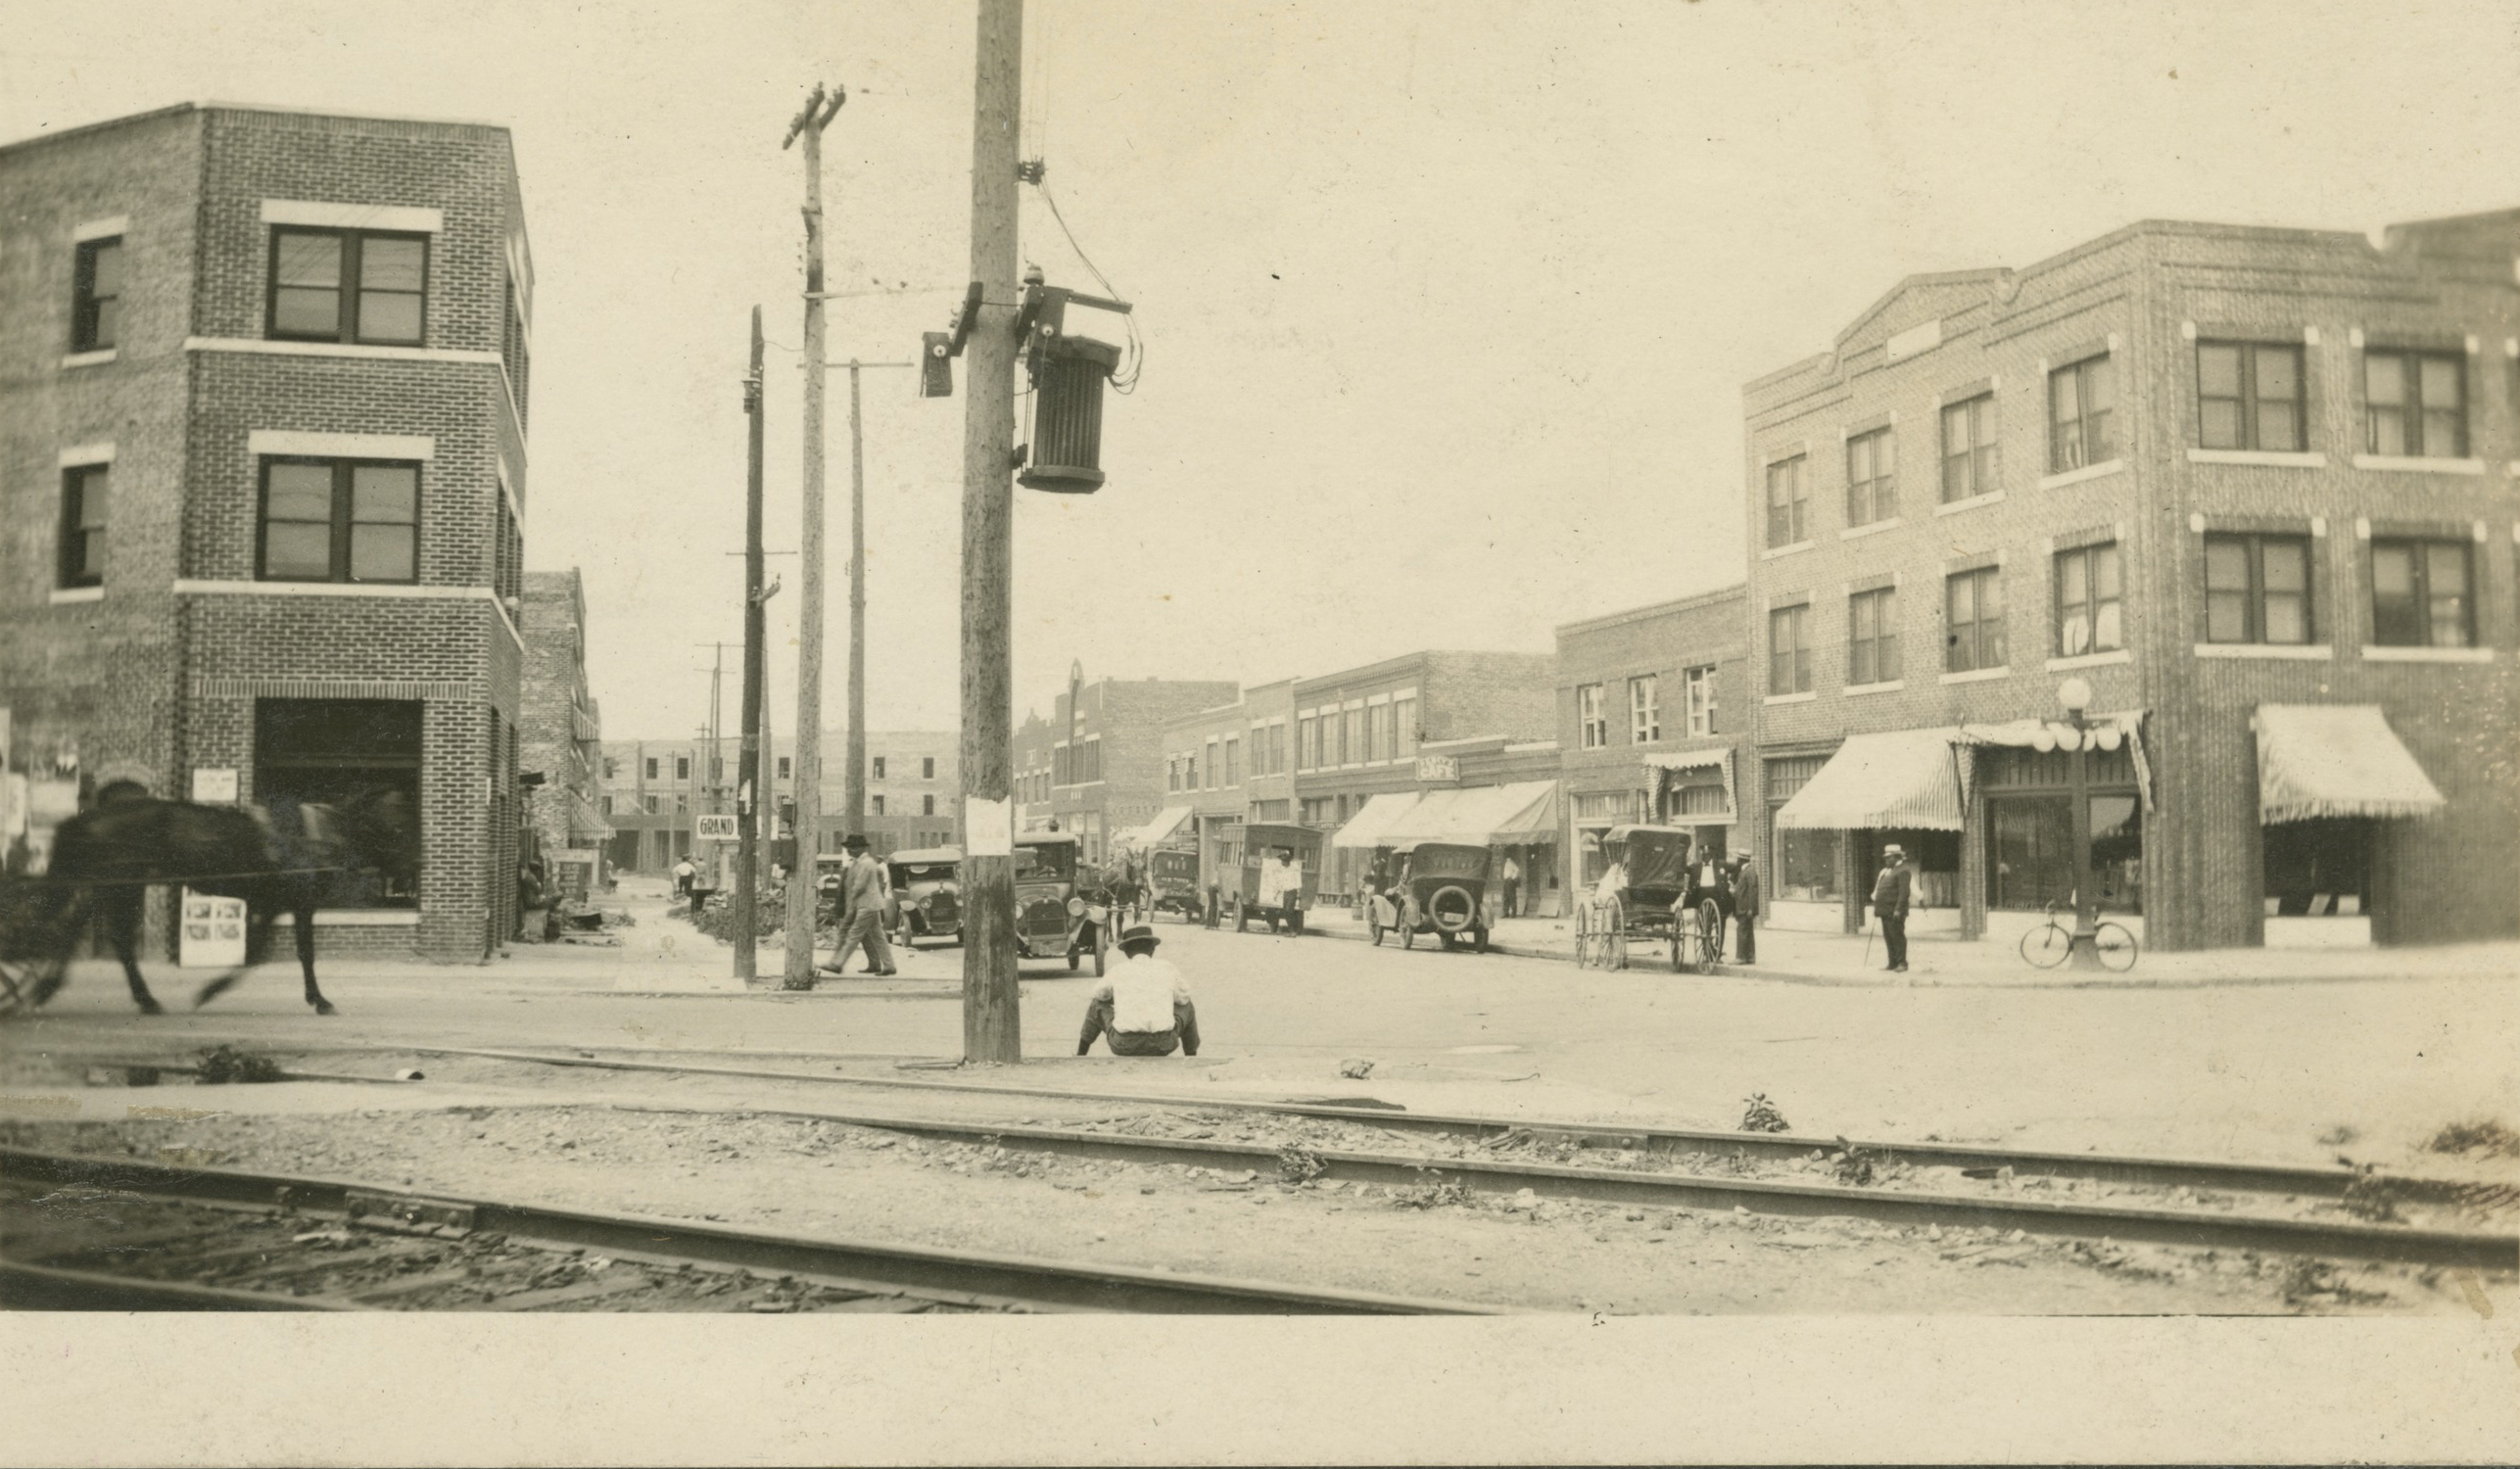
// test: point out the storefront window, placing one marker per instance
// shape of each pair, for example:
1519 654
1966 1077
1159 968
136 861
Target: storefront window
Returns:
2029 852
1807 864
332 751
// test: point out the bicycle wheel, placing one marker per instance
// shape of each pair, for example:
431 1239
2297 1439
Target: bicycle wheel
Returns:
2046 946
2117 946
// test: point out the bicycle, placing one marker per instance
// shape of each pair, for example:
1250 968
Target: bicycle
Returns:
2051 943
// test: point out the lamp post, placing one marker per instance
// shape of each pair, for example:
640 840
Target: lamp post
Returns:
2075 737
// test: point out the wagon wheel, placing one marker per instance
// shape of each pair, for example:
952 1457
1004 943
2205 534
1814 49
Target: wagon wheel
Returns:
1682 937
1583 935
1614 934
1710 937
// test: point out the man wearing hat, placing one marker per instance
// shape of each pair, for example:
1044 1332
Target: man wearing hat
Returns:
1749 903
1891 893
1143 1009
863 896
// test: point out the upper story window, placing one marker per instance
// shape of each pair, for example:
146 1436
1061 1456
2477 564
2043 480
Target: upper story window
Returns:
348 285
2082 402
611 768
2089 594
1307 742
879 767
96 296
1872 636
2256 588
874 805
785 765
1969 447
682 766
340 520
1788 504
2414 404
1973 619
651 767
1698 683
1790 650
2419 595
928 805
1872 478
1405 726
1644 709
1233 763
1215 768
926 766
2248 395
1592 726
87 491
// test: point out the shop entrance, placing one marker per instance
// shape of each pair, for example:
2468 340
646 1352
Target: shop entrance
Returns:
2319 867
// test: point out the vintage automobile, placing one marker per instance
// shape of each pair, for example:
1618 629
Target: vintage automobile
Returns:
1433 888
1651 894
1056 914
1172 884
1250 844
927 897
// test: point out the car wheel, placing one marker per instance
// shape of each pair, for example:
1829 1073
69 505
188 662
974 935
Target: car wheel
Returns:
1240 916
1407 935
1075 958
1374 931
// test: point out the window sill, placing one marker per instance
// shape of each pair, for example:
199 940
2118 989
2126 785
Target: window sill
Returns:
1955 507
1805 697
1773 552
2300 652
360 917
1976 675
285 348
1869 528
2099 471
2267 458
2394 464
1858 690
2114 656
2375 654
62 596
96 359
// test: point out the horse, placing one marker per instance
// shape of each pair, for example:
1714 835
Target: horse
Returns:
105 858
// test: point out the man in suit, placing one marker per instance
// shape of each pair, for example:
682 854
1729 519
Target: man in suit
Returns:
863 893
1891 892
1747 904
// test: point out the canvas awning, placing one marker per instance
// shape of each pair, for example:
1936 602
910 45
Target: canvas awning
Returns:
1480 816
1154 832
2317 760
2024 734
1897 779
1665 763
1365 829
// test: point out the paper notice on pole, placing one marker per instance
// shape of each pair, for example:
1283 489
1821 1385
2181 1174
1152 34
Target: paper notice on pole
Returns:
213 933
213 786
988 827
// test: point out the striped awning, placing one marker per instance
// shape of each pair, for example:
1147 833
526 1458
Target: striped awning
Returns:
2317 760
1154 832
1480 816
1897 779
1664 763
2025 734
1365 829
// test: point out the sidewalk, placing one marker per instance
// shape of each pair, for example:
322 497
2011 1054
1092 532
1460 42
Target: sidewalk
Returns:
1798 957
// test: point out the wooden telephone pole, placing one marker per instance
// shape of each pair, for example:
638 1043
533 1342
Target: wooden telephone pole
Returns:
802 886
991 1027
748 764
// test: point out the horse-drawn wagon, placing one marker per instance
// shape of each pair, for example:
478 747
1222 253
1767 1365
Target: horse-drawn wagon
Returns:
1651 894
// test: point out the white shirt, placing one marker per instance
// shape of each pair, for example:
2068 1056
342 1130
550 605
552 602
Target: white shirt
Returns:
1278 877
1143 991
1513 871
1613 883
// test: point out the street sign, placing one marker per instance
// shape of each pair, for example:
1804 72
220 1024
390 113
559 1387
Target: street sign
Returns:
720 828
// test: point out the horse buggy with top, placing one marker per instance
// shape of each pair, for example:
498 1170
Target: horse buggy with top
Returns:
1651 894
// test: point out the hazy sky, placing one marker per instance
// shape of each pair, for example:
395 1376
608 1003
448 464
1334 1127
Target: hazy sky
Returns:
1446 306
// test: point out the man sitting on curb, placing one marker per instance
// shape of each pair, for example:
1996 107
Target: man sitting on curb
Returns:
1143 1009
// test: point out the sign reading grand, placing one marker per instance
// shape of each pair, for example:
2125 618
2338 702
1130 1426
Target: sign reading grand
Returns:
1439 768
719 828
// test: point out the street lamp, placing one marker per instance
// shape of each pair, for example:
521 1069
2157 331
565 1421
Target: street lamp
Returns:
2077 737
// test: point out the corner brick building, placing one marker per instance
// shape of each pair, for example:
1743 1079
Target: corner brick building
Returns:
562 732
1106 751
2255 486
262 409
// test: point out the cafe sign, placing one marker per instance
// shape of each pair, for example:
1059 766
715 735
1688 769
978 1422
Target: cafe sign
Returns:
1439 768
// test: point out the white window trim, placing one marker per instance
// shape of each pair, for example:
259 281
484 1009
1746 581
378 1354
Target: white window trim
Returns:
2263 457
1805 697
87 454
360 918
111 228
1859 690
1773 552
2373 654
1975 674
261 442
1870 528
96 359
395 218
1955 507
2401 464
62 596
2101 471
2103 659
2294 652
344 349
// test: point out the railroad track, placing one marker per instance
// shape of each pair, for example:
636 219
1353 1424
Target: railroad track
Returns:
80 1233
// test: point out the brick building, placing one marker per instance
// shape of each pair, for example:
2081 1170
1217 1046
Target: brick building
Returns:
652 788
1425 722
263 409
1652 718
1031 771
562 733
1107 750
2255 486
1230 764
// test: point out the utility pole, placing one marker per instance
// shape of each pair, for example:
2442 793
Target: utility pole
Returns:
749 765
818 112
992 1029
853 798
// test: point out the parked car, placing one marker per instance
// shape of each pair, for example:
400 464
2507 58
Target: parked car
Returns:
1173 883
1440 888
926 894
1248 845
1055 913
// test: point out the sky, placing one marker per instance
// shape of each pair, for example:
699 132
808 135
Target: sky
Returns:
1447 306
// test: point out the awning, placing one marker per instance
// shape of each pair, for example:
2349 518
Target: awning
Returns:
1719 759
2024 734
2317 760
1899 779
1365 829
1154 832
1480 816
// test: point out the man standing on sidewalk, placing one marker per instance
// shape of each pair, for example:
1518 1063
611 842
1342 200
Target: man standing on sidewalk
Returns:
863 895
1891 893
1513 876
1747 904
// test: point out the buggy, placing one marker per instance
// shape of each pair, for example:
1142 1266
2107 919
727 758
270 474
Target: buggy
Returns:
1650 895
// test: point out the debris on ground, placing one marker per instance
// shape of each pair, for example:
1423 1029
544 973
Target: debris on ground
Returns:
1759 1114
1356 1069
2373 1198
225 1063
2486 1135
1857 1166
1298 1165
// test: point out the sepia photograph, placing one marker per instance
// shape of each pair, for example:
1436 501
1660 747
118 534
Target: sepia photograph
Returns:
739 726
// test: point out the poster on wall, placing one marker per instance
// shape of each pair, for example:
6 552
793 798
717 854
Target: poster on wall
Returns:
212 933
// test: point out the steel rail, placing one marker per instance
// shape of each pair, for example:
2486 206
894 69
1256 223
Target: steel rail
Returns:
42 1288
915 1268
2339 1239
